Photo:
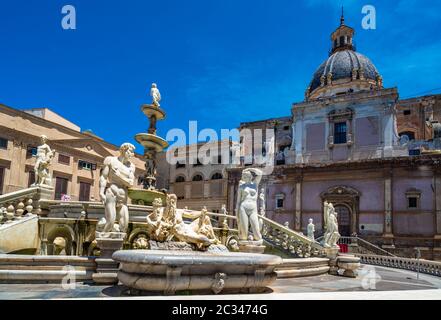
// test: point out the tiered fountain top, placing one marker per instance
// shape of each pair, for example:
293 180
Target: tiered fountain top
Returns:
150 141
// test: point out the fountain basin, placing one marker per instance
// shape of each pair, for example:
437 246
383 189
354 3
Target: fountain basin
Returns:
150 110
172 271
145 197
151 141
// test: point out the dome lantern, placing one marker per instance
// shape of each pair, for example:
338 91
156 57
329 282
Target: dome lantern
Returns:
342 37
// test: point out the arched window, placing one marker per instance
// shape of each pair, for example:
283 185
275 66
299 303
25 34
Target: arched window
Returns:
198 177
217 176
180 179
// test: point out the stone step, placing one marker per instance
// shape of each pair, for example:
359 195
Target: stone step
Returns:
18 235
302 267
44 276
44 269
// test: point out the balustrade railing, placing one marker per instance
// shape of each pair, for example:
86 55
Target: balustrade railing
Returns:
293 242
417 265
362 246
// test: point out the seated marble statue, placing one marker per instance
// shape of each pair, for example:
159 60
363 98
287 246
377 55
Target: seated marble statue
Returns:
203 226
157 229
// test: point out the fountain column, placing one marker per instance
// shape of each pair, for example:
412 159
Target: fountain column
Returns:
152 144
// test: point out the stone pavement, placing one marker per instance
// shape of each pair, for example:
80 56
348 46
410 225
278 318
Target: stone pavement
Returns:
373 283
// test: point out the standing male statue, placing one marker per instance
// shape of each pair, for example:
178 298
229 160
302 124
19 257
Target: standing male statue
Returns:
156 95
42 164
117 176
246 207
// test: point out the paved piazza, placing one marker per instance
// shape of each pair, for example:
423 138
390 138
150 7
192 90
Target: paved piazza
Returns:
390 284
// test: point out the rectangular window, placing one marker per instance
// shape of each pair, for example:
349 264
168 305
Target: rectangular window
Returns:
3 143
31 152
2 178
31 178
407 112
84 191
60 187
86 165
412 202
279 204
63 159
340 132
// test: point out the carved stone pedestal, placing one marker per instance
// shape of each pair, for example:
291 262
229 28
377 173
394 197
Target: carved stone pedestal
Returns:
350 264
251 246
345 265
332 253
107 268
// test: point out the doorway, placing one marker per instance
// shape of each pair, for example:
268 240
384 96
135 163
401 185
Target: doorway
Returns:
344 220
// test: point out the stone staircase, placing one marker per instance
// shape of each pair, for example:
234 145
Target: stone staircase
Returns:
292 243
19 212
45 269
293 268
357 245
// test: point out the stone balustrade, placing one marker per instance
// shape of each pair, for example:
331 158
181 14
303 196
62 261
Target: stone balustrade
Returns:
289 240
421 265
16 205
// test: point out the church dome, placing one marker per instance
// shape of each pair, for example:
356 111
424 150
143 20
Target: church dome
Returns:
345 70
344 64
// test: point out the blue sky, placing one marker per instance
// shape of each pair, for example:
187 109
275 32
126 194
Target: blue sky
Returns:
220 62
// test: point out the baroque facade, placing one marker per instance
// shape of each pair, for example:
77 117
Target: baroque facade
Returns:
352 142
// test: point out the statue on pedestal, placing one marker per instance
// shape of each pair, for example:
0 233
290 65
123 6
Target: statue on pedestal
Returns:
156 95
149 179
331 235
117 176
246 208
42 164
311 230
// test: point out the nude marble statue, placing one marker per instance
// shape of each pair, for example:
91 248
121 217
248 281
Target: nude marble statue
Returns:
331 235
156 95
117 176
246 206
44 158
310 230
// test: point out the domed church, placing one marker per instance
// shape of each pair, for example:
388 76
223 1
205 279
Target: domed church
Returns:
352 142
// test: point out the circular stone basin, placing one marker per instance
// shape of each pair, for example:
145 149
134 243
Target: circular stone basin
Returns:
150 110
151 141
171 271
145 197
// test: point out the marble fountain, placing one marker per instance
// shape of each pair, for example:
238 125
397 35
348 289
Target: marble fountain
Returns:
184 253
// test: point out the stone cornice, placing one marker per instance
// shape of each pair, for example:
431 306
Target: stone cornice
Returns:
349 98
378 164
